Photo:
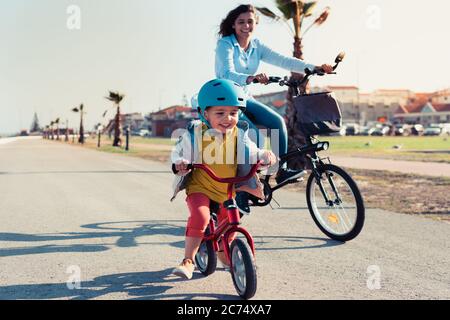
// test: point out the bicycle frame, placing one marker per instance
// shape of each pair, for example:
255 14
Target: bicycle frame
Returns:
231 225
308 148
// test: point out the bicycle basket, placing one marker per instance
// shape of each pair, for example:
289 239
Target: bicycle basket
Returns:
318 113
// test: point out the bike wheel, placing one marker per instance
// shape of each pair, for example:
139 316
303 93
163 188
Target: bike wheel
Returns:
206 257
243 270
342 216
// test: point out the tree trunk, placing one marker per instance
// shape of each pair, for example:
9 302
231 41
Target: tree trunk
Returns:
296 137
117 141
81 138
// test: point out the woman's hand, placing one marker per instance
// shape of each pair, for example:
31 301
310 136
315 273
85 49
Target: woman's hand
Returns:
181 167
262 78
326 68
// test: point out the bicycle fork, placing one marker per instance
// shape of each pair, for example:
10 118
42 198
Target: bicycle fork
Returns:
329 176
226 229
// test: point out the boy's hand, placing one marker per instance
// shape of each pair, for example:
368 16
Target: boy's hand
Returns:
181 167
269 158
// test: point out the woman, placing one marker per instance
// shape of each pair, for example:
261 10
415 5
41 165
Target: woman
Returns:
238 56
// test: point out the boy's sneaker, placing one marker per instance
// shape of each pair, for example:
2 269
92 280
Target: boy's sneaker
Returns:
185 269
242 203
289 174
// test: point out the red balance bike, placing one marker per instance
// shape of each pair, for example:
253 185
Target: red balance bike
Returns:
240 253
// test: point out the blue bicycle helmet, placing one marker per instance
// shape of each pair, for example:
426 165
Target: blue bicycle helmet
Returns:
220 93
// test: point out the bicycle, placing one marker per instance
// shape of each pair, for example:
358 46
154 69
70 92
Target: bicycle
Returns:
331 193
240 254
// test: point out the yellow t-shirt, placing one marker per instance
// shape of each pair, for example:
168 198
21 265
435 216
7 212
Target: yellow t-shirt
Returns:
214 154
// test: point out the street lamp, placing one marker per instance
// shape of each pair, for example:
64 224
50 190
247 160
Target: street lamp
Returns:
80 110
57 128
99 131
67 131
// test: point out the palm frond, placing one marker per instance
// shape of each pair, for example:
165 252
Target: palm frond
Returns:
308 8
288 7
268 13
115 96
321 19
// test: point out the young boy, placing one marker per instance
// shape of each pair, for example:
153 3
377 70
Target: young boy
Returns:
221 141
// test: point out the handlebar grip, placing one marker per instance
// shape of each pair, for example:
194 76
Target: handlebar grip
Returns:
272 79
190 166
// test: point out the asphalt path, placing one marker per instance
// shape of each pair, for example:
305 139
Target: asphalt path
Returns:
434 169
80 224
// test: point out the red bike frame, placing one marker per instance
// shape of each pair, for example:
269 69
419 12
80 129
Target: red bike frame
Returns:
230 226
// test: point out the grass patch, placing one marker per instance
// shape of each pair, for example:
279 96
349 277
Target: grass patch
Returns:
430 149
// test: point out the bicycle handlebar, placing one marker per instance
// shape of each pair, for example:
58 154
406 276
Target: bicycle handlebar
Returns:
308 73
213 176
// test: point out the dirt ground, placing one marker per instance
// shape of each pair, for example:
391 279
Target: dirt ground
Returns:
404 193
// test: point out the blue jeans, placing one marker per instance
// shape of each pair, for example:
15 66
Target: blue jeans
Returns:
263 115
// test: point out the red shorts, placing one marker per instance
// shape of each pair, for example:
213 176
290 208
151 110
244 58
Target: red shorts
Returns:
198 205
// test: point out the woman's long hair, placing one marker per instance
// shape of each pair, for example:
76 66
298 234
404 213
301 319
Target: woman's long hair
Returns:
226 27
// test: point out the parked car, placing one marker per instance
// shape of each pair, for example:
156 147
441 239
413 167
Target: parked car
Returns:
366 131
352 129
417 129
380 131
145 133
402 129
436 129
135 133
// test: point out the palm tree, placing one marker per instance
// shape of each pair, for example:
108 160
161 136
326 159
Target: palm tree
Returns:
295 11
57 128
52 130
116 97
80 110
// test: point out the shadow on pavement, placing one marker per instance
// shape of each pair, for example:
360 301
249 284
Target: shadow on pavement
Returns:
8 252
127 233
135 286
293 243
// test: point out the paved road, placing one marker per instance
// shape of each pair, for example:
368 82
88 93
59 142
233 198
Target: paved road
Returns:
68 211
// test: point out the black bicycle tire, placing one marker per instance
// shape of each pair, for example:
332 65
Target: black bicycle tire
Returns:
212 257
250 269
360 212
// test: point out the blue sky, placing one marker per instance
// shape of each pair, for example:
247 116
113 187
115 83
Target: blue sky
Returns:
156 51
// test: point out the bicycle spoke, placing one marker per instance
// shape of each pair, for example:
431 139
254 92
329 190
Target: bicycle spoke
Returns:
337 217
